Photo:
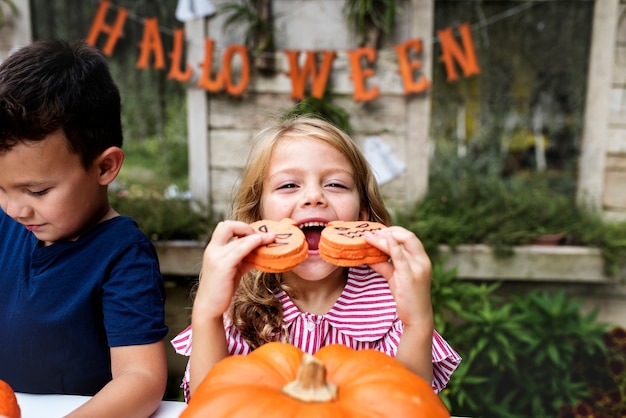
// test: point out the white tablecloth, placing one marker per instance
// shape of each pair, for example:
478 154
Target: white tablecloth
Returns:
57 406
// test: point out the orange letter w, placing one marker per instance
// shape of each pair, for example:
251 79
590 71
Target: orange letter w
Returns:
299 76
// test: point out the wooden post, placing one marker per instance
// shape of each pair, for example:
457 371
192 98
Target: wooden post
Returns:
592 160
198 118
19 32
418 107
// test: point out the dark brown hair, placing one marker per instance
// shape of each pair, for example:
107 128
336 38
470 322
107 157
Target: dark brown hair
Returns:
52 85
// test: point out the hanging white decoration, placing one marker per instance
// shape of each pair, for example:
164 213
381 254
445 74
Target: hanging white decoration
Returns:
194 9
385 165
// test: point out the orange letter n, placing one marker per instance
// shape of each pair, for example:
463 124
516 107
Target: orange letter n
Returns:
451 50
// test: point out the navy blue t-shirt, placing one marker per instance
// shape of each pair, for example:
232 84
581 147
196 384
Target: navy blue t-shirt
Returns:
63 306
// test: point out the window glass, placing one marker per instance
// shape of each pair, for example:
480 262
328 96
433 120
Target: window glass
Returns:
524 111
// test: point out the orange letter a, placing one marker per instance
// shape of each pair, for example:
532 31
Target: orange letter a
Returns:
151 42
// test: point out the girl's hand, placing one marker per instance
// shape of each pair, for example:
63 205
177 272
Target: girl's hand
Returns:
223 266
408 273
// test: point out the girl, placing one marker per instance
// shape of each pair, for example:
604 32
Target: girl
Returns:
308 170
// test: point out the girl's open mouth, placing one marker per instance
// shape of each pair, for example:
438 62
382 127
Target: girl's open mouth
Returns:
312 232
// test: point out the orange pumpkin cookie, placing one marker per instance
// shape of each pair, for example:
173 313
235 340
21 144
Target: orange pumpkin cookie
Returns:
343 243
8 402
287 251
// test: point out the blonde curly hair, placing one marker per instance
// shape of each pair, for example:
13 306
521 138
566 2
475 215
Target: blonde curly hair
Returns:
255 311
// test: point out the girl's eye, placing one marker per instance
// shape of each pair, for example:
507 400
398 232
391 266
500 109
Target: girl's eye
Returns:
287 186
337 185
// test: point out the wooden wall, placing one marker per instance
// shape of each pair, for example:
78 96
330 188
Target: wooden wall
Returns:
614 196
602 167
220 127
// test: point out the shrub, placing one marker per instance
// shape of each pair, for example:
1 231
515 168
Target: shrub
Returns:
606 379
163 218
468 206
521 354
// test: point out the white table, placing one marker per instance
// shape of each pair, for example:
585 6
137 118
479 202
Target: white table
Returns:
57 406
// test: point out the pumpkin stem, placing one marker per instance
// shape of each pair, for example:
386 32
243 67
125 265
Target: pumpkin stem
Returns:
311 384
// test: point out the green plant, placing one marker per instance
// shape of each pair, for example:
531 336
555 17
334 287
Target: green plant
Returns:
450 297
606 379
521 354
323 108
161 218
159 159
491 210
610 237
371 18
257 18
469 202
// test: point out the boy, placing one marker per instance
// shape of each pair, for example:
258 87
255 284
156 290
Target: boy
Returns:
81 294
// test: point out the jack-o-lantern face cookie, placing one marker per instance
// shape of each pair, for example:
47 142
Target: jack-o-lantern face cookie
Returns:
342 243
288 249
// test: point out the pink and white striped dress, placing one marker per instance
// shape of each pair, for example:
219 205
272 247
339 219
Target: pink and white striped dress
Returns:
364 316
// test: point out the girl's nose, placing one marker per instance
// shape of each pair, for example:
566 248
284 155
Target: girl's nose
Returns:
314 196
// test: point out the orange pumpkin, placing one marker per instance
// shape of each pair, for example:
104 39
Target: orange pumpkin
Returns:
8 402
279 380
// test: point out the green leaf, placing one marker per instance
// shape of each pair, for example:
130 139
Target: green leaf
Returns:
553 353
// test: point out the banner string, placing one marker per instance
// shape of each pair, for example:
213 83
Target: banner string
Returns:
478 26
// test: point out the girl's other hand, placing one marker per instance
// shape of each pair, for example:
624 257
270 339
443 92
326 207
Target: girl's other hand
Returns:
408 272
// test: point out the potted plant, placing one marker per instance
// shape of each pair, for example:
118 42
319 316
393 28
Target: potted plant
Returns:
371 19
257 18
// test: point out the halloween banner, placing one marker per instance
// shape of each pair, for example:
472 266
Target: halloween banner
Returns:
313 72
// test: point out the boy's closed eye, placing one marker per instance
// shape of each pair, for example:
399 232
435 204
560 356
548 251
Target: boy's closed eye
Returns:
38 192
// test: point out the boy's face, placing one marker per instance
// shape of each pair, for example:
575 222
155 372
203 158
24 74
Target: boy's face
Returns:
44 186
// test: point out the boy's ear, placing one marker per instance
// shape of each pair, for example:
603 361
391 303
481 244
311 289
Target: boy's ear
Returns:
109 164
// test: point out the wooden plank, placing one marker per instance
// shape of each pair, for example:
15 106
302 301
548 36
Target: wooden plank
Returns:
616 140
601 61
615 162
615 191
418 110
530 263
473 262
